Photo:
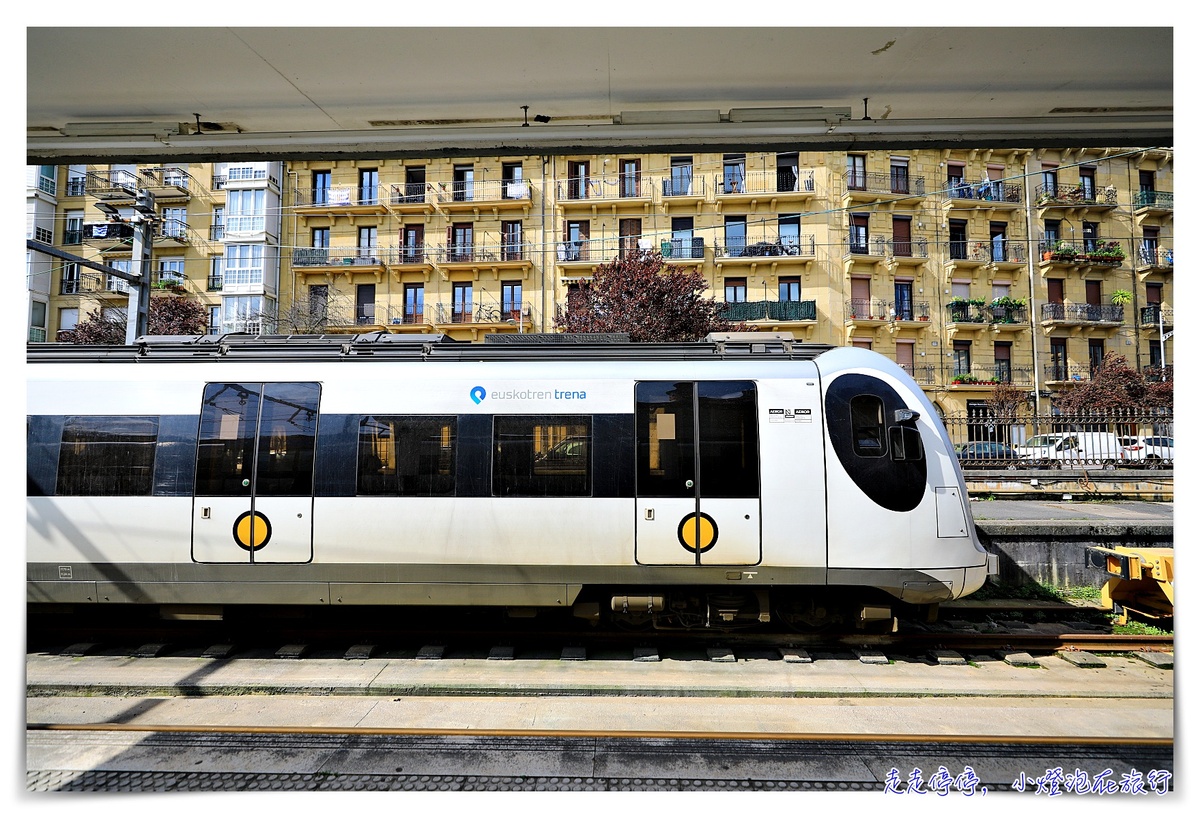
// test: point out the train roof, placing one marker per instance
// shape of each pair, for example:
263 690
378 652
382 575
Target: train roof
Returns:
377 346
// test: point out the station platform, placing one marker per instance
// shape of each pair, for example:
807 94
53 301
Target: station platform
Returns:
690 693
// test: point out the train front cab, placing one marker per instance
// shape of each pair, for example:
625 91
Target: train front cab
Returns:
899 515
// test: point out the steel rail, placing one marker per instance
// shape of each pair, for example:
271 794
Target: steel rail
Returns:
1095 741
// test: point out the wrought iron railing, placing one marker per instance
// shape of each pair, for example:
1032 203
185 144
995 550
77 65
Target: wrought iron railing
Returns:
1100 313
769 310
768 245
957 188
1136 438
1154 198
900 183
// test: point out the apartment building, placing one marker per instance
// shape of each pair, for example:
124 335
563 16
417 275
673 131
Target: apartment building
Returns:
968 267
215 238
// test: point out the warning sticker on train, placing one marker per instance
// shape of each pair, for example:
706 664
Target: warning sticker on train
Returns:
790 415
698 532
251 530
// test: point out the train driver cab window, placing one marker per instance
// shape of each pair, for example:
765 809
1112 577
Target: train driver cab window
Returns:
866 418
406 456
542 456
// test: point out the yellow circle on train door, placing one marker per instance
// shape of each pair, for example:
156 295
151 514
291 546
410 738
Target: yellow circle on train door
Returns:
251 530
700 537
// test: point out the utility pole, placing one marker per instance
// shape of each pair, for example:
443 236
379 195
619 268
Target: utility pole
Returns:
139 291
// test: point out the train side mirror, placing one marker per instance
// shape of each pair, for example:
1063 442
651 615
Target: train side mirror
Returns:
906 416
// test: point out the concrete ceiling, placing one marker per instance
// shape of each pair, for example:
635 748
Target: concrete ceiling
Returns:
208 93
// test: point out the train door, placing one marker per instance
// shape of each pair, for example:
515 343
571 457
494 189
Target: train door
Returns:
697 473
254 473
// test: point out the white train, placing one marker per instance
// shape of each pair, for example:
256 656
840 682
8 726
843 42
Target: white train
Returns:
719 483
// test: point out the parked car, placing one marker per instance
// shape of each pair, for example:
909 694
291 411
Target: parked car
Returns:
1151 452
1074 449
983 454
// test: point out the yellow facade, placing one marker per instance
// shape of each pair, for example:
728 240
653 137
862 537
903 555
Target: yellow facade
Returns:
966 266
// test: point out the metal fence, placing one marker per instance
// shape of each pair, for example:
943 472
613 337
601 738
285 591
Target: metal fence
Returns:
1103 439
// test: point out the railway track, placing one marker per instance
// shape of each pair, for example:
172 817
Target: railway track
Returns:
324 638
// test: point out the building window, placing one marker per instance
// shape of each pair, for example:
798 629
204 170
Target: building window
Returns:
856 172
680 183
245 211
958 238
962 358
414 303
512 181
734 173
858 233
70 278
577 180
322 180
1095 354
630 181
899 175
368 186
735 235
1002 355
735 290
1087 183
243 265
510 300
68 318
789 288
414 185
511 248
464 183
904 301
787 171
462 306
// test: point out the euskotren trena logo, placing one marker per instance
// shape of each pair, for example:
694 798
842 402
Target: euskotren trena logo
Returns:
479 394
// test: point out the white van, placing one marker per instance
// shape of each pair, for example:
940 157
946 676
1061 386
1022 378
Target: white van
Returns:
1067 449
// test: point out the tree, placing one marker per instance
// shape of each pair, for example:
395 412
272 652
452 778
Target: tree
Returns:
167 316
649 300
1116 385
1006 399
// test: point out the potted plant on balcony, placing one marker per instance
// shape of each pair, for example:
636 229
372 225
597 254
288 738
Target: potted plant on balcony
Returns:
1121 297
1108 252
1062 251
1004 309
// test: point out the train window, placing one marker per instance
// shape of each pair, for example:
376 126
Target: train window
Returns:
406 456
866 419
542 456
107 456
906 443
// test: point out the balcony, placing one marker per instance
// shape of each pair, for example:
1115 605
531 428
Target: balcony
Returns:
1081 196
111 185
861 245
988 375
483 195
861 186
339 201
769 187
1086 252
910 251
1154 258
308 257
1082 314
772 311
479 311
868 311
683 188
772 247
1156 315
958 193
618 193
482 254
1146 202
167 183
923 374
1062 373
108 235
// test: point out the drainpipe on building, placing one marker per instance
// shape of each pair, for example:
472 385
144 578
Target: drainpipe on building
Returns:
295 233
542 264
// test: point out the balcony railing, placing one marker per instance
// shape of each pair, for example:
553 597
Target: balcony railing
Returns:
1154 198
1073 195
960 189
410 193
993 373
924 373
781 180
1082 251
917 247
480 252
897 183
684 184
618 186
1151 315
863 246
334 197
1157 256
868 309
1066 372
340 256
481 190
1079 313
770 245
769 310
